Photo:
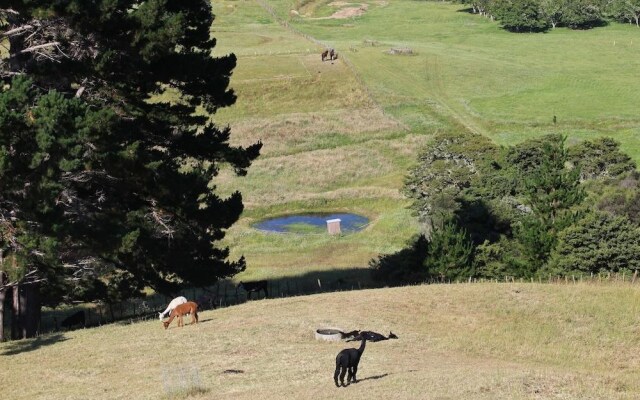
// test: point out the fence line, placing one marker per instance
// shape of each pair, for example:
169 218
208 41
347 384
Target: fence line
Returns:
224 294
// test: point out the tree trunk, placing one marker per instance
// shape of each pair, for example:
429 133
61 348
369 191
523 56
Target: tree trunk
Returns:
3 293
16 322
25 311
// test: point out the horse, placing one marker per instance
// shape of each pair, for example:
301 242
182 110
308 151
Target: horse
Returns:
181 310
325 54
174 303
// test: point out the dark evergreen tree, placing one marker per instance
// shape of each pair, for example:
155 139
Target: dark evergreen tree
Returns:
450 253
129 182
446 256
552 190
403 267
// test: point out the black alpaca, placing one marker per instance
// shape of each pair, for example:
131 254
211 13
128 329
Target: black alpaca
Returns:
256 286
76 318
348 359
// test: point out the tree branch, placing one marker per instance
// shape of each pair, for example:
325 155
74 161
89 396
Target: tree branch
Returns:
40 46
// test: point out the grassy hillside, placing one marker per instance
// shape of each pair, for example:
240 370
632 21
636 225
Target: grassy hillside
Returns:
339 136
328 147
479 341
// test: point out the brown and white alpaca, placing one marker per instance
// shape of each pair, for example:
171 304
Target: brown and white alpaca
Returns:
180 311
174 303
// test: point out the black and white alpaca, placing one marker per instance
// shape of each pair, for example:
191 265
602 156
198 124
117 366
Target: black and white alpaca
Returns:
371 336
348 360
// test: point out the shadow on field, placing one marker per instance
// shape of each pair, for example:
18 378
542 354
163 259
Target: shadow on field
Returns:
335 280
373 377
224 294
22 346
468 10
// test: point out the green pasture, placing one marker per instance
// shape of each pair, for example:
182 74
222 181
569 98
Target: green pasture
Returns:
504 85
340 136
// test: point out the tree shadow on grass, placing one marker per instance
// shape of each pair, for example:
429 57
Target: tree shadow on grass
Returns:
468 10
313 282
23 346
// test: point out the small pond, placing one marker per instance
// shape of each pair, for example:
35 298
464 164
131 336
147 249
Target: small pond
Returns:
312 223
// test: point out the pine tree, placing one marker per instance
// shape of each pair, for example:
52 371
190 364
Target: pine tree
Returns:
450 253
552 190
129 183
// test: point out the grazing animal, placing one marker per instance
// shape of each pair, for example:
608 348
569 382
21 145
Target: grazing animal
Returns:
74 319
372 336
348 360
175 302
181 310
325 54
256 286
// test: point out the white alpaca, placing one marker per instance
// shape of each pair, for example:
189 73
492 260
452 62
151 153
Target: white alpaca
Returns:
174 303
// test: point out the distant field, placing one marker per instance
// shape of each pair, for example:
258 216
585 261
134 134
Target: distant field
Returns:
478 341
340 136
505 85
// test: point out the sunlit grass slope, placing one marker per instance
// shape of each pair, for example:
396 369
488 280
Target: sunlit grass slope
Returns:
341 135
478 341
328 147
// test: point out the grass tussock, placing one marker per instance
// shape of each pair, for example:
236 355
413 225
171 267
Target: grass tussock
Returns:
471 341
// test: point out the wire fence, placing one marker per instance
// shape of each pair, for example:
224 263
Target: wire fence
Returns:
226 294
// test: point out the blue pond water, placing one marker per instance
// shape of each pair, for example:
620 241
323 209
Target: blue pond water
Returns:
315 222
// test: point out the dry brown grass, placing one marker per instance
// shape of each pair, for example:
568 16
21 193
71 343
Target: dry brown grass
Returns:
299 131
481 341
375 168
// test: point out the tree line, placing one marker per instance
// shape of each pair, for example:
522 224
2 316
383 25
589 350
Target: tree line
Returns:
541 15
108 154
536 209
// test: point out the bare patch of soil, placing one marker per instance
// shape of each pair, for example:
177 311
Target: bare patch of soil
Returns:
348 12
